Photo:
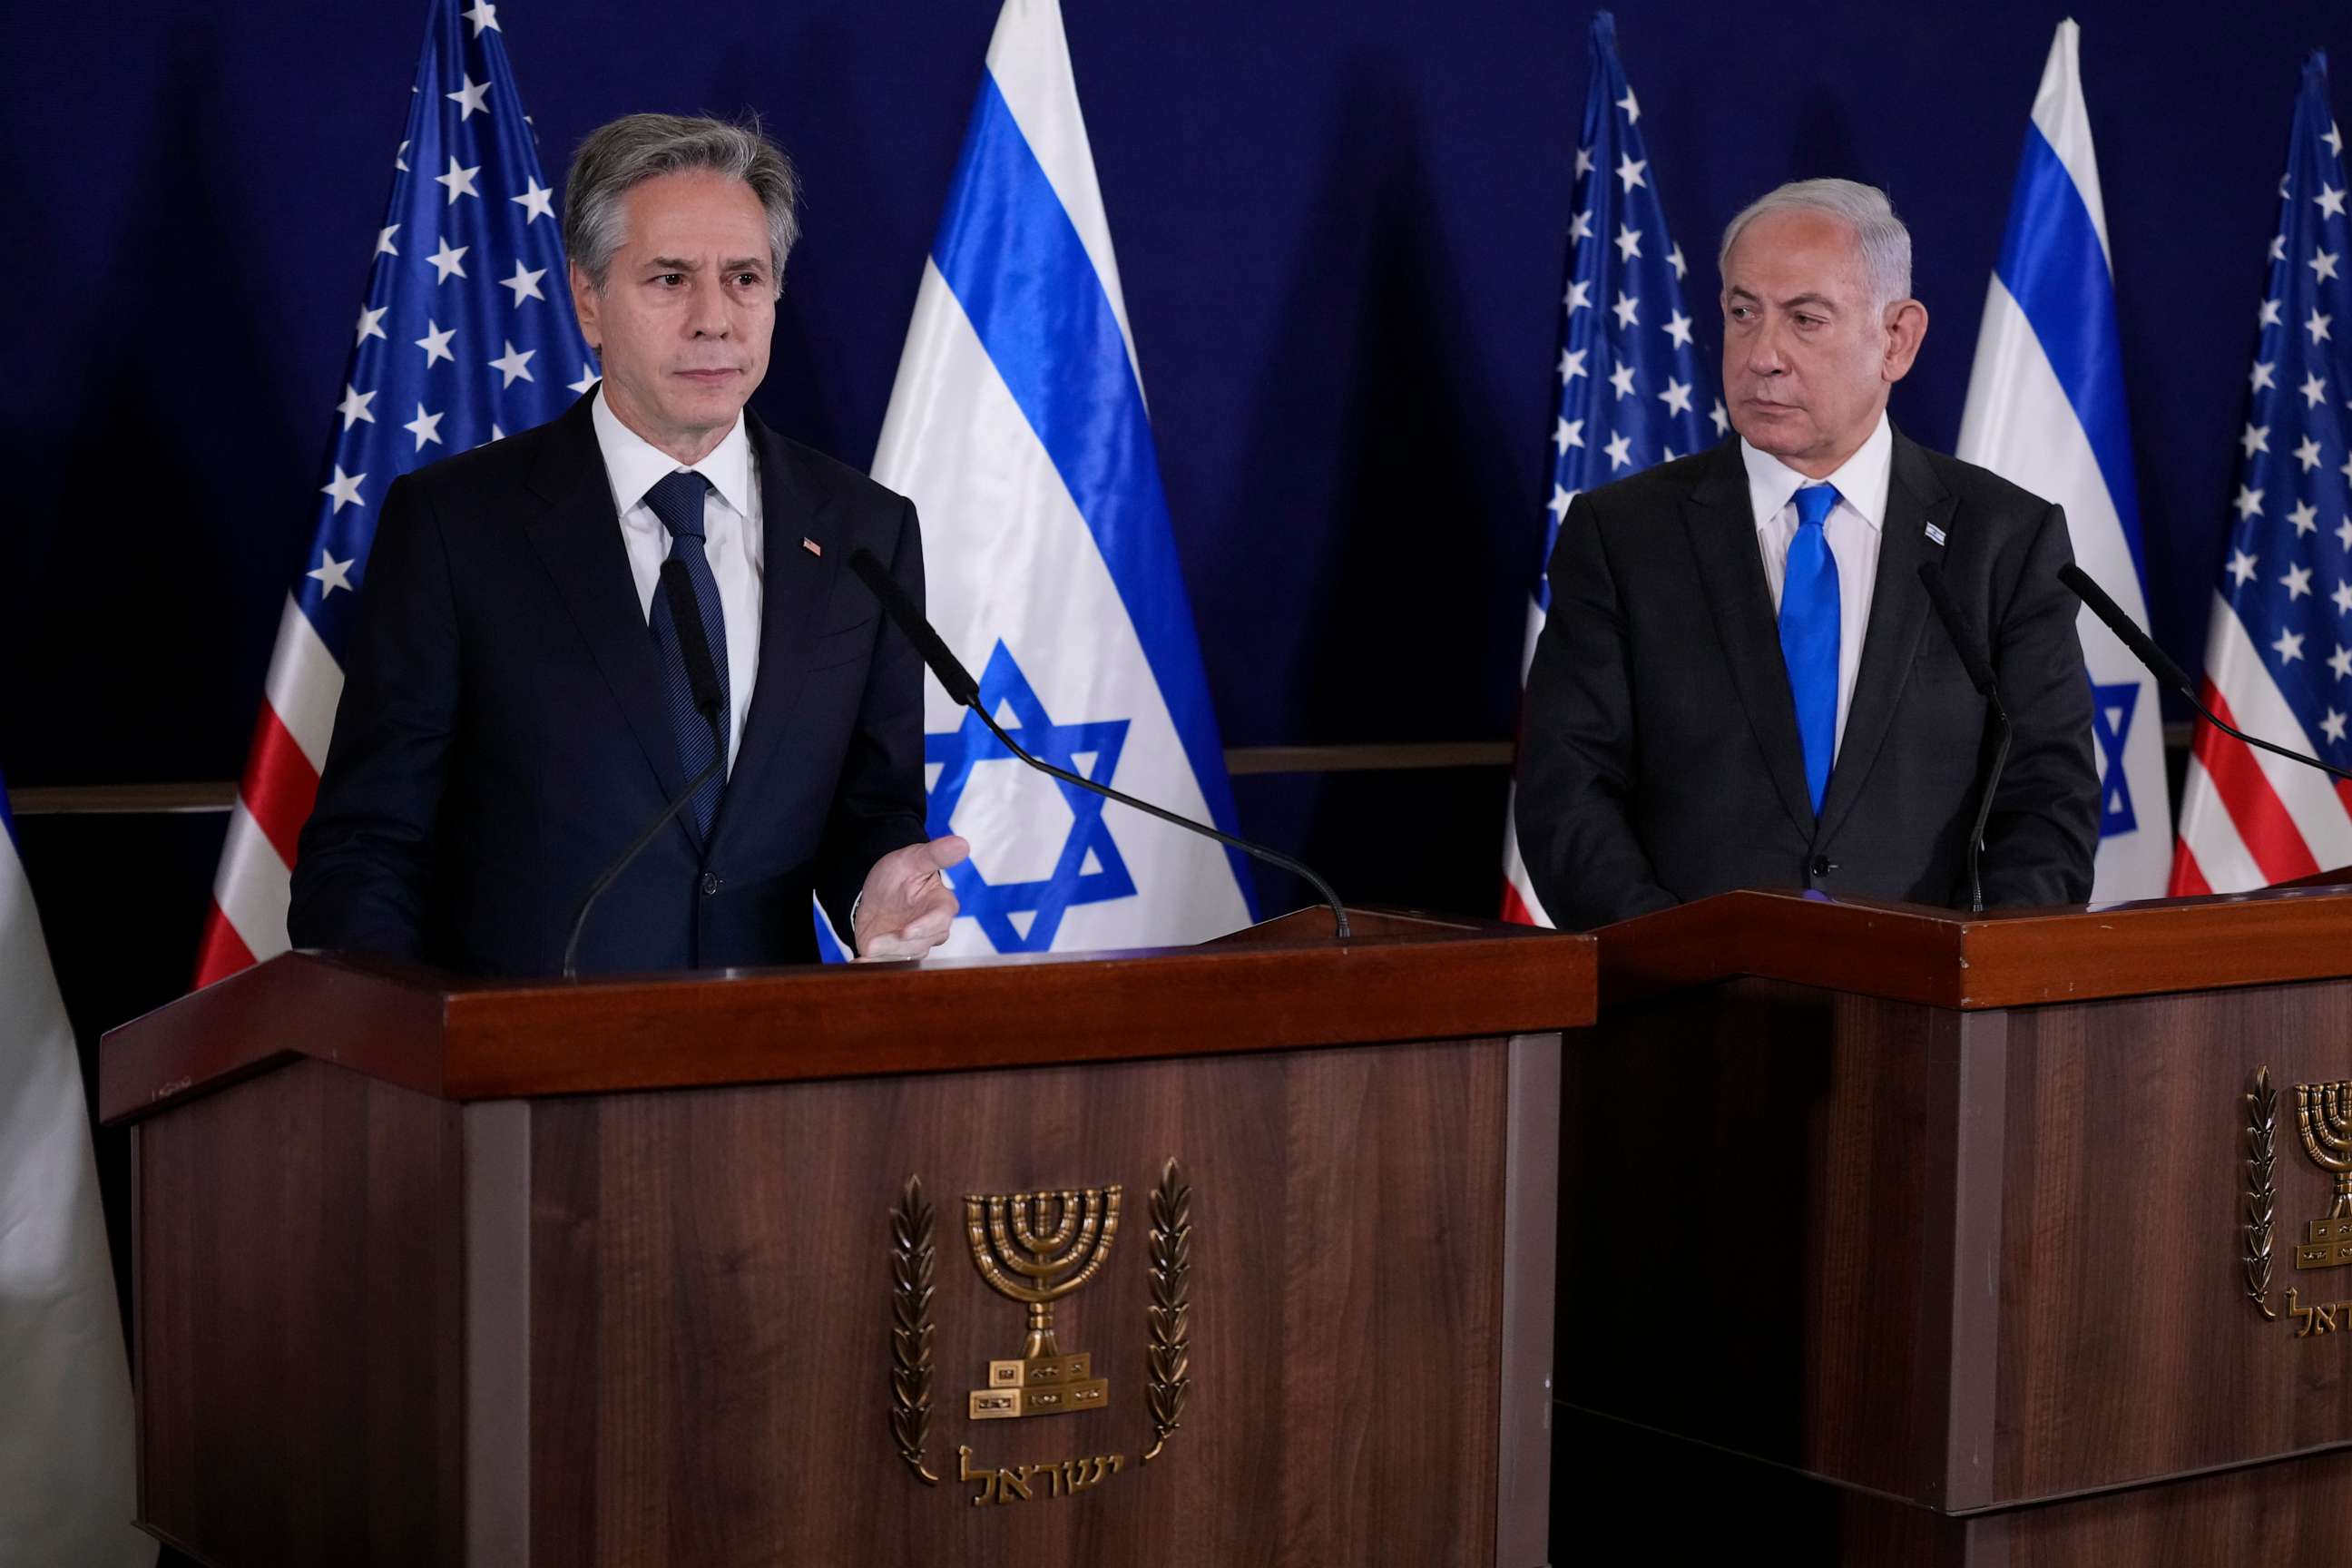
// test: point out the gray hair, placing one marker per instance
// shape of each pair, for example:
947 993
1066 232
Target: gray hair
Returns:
1884 243
623 153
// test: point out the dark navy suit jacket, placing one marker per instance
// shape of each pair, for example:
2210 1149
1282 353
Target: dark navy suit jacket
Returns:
1660 761
502 734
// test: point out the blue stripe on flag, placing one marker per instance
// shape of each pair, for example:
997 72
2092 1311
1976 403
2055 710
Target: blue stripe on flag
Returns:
2052 263
7 818
1013 261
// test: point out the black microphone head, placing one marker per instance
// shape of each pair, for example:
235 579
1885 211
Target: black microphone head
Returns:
2143 647
693 638
944 665
1956 627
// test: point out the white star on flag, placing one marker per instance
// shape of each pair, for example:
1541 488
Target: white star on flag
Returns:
587 379
1621 450
1629 171
2249 502
2257 438
1674 259
1629 242
1562 499
2318 327
1678 327
2332 725
470 98
2314 390
2289 647
2330 199
1578 298
515 365
448 262
1676 396
1622 378
525 283
458 181
371 325
383 246
1571 364
483 15
2308 454
435 343
1631 106
537 200
2298 582
354 406
2242 567
1570 433
425 428
1628 310
1580 228
2262 376
2341 662
1721 418
344 487
2306 518
2322 265
330 571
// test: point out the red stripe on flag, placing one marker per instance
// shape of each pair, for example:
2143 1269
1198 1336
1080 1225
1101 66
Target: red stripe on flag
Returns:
2268 832
280 787
223 952
2188 877
1515 908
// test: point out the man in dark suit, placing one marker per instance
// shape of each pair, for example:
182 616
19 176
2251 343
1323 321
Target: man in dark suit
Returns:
1742 682
518 702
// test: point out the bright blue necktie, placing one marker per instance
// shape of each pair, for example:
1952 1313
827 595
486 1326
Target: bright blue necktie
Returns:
1808 634
678 502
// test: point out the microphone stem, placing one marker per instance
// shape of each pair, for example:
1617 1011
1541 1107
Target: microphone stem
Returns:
1984 813
1272 857
628 856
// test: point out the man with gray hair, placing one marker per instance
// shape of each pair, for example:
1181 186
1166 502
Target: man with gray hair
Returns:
527 685
1815 726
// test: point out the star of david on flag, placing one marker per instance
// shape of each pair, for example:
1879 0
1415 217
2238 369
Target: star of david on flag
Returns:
1025 915
1017 424
2045 409
465 333
1633 384
2278 649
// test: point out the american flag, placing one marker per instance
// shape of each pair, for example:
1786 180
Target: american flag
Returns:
2278 654
1633 389
466 333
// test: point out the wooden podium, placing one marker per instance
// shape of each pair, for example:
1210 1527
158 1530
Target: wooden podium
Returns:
1904 1236
431 1272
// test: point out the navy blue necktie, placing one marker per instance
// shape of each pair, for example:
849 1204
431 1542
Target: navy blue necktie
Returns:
1808 634
678 502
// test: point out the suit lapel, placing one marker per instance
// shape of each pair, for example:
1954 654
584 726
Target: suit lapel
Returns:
1721 524
795 584
578 538
1898 612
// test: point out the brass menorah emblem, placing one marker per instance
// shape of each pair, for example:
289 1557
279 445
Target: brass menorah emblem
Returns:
2323 1114
1035 1248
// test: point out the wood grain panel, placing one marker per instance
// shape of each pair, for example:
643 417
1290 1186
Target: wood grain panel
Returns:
712 1307
1759 1229
2008 958
2290 1514
2128 1350
1282 986
299 1325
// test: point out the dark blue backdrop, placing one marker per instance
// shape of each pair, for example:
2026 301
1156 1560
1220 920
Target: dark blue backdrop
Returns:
1341 225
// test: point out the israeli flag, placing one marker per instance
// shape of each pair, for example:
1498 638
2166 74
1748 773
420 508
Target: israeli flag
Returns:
2045 410
1018 426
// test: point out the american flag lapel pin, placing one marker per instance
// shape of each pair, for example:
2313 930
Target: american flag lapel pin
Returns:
813 547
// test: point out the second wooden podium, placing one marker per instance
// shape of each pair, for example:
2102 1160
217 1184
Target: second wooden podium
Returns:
1232 1254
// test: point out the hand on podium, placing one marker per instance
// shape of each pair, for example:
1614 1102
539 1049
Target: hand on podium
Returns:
907 906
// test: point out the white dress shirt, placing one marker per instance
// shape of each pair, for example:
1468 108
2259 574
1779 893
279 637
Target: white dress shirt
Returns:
1854 528
731 539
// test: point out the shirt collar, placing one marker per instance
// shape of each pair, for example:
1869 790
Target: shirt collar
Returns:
635 465
1862 480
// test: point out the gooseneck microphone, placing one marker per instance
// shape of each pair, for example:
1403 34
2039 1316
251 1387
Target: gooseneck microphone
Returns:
1980 676
961 687
702 680
2144 650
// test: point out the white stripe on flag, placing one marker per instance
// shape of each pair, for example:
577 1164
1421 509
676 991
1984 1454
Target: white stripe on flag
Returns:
2236 667
66 1458
2223 858
1029 55
2065 123
253 887
304 686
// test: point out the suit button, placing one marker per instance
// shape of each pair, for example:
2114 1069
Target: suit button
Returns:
1821 867
710 883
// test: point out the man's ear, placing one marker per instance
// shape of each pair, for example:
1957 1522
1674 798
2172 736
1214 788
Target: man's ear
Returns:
586 299
1906 328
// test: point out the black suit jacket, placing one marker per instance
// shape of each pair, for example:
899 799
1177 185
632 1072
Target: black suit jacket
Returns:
502 735
1660 761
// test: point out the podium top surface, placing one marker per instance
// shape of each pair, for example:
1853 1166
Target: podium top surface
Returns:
1285 984
2007 958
